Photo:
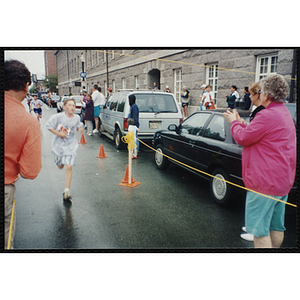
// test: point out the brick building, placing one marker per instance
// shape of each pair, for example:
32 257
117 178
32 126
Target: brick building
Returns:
131 68
50 62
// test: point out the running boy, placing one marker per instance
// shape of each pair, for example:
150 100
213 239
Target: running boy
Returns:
36 106
64 144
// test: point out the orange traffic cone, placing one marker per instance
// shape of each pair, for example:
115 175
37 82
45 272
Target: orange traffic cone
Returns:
82 140
125 181
101 152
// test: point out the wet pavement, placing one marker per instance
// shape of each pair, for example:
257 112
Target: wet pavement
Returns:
169 210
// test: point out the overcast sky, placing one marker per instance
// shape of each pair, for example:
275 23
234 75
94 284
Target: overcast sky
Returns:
34 60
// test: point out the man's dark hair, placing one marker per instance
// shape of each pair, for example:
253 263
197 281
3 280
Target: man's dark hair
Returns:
99 89
16 75
131 99
234 86
246 89
95 86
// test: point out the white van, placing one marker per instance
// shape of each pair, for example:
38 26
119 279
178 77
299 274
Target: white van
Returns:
157 110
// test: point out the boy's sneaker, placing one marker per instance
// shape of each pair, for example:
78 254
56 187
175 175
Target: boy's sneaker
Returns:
67 195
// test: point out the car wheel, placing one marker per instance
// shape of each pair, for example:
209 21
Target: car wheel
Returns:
220 190
162 163
118 139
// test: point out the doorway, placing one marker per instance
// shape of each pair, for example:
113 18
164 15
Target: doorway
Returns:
154 76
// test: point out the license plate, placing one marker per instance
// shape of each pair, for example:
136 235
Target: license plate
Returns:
154 124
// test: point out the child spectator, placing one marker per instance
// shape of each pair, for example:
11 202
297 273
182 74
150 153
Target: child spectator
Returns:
89 113
134 130
64 144
208 98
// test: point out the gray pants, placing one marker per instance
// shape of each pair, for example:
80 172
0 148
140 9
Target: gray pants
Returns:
10 193
89 125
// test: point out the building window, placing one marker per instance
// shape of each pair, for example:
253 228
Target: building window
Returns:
112 54
123 83
105 89
113 86
104 56
266 65
177 74
212 78
137 81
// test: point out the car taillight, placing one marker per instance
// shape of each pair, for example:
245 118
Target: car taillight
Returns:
125 124
180 120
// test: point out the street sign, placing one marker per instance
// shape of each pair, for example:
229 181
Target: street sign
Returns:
83 74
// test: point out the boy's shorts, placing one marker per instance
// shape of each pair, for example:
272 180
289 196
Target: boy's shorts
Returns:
64 160
263 214
38 111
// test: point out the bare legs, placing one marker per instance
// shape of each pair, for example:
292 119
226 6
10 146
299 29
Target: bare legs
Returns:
274 240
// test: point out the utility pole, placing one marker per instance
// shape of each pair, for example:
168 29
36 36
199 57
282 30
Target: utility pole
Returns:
107 70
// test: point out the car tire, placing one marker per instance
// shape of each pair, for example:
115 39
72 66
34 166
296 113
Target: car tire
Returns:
220 190
118 139
162 163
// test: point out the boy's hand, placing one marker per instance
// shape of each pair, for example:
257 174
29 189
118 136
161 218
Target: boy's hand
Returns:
63 134
80 129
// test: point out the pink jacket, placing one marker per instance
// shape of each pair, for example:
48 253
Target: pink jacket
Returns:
269 150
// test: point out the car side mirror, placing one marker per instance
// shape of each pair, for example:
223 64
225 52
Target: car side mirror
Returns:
172 127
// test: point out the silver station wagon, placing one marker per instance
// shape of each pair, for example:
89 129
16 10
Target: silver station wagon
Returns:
157 110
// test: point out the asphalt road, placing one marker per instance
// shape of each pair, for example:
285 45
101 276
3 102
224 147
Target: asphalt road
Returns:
169 210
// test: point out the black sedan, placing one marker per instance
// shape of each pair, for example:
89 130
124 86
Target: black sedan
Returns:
204 142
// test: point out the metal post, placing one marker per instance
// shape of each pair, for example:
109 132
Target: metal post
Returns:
107 69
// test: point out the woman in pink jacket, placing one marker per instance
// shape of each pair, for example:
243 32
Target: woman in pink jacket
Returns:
268 162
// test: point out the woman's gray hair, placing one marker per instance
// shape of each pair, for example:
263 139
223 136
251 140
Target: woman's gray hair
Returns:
276 87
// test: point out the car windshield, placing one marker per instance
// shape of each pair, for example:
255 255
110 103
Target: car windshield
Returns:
157 103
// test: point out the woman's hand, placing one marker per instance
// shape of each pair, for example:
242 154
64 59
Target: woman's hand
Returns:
231 116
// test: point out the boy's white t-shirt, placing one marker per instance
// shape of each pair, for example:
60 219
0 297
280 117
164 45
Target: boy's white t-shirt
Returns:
133 129
37 103
68 145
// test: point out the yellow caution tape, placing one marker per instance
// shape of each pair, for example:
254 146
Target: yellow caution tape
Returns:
234 184
184 63
11 225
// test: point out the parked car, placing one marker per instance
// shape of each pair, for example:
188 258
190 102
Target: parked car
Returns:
60 104
157 110
40 95
204 142
54 100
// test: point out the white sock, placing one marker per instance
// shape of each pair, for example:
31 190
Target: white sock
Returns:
66 189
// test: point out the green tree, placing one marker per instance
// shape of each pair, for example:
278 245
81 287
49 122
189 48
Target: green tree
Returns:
33 90
50 82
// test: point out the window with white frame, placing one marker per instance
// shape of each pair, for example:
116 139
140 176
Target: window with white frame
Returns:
104 56
266 65
105 88
212 78
177 75
123 83
136 81
113 85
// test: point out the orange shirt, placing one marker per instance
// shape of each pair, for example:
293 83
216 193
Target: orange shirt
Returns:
22 142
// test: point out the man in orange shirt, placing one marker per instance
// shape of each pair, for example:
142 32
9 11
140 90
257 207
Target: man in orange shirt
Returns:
22 134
